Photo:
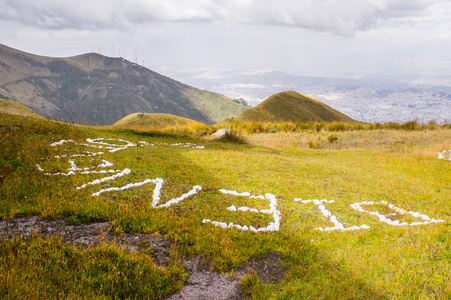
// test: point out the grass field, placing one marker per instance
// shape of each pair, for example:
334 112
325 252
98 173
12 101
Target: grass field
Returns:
381 262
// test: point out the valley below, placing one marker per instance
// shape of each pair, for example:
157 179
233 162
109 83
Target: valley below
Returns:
371 100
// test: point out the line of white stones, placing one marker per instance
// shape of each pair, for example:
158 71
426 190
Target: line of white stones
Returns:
101 144
188 145
383 218
156 192
446 155
96 143
357 206
125 187
337 225
84 171
272 226
99 181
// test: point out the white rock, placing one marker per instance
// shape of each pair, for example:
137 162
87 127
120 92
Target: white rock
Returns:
220 132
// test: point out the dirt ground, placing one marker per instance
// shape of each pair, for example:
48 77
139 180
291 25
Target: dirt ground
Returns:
202 283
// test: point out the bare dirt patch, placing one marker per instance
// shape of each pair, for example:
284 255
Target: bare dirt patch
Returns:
86 235
270 269
202 283
205 284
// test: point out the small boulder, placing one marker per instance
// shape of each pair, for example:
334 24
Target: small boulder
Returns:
221 132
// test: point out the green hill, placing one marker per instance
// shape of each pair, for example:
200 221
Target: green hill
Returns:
96 89
291 106
146 121
16 108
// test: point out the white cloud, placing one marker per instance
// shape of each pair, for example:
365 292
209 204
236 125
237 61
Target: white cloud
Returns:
295 36
169 10
342 17
55 14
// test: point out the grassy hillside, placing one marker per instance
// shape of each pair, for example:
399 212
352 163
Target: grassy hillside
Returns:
142 121
16 108
293 107
94 89
384 261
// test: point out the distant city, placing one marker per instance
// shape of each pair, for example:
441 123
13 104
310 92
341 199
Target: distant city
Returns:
367 100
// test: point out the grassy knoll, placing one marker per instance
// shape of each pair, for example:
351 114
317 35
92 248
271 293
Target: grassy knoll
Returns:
382 262
159 122
153 121
16 108
290 106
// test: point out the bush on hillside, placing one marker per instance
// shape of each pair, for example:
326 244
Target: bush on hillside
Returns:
412 125
332 138
315 144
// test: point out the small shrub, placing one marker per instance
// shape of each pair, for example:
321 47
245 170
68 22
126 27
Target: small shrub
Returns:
271 128
412 125
432 125
315 144
301 126
392 126
287 127
358 126
336 126
320 126
256 127
248 282
332 138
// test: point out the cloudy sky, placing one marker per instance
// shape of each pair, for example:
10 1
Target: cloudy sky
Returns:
338 38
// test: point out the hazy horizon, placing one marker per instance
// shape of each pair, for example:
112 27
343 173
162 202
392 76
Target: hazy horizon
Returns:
347 39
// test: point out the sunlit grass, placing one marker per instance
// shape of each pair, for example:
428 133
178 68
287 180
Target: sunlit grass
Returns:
51 269
397 166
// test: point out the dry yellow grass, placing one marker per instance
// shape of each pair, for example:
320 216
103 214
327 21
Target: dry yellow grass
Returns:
365 139
15 108
147 121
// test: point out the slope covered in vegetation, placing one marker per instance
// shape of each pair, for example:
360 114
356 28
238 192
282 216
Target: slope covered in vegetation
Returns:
16 108
143 121
95 89
293 107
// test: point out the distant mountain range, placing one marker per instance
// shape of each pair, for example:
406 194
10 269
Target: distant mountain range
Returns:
95 89
367 99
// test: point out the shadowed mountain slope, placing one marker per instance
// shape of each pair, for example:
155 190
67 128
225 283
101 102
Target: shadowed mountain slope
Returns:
291 106
96 89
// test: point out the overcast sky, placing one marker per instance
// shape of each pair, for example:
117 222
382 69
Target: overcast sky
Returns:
339 38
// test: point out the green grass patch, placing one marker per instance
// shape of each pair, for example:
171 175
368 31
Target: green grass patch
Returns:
383 262
36 268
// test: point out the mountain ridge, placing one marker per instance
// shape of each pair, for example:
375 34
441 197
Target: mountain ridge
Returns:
95 89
